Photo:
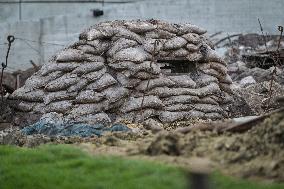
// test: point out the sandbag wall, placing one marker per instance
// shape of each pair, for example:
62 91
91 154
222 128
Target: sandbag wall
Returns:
112 73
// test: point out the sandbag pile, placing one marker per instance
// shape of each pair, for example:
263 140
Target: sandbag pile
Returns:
112 73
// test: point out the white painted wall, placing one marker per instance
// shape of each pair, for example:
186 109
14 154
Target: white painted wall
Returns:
61 23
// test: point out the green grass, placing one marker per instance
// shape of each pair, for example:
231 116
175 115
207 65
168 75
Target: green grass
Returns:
62 166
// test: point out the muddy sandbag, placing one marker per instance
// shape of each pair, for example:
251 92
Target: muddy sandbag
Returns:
114 94
36 81
134 104
210 89
192 38
124 33
179 107
92 119
26 106
126 81
175 43
159 34
58 96
89 96
152 83
139 26
88 67
62 83
136 54
181 99
59 107
120 44
100 45
169 117
95 75
194 57
145 75
52 67
100 32
182 52
88 49
105 81
84 109
71 55
82 83
204 79
208 100
191 47
27 95
151 45
191 28
208 108
182 81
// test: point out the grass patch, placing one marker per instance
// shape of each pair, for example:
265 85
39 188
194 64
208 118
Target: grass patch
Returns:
63 166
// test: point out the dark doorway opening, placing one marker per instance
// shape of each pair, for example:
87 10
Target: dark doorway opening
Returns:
176 66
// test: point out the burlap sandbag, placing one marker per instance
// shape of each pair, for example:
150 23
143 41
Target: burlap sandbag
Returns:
114 94
70 55
139 26
59 107
28 95
181 99
136 54
95 75
182 81
152 83
169 117
88 67
52 67
175 43
84 109
126 81
159 34
82 83
120 44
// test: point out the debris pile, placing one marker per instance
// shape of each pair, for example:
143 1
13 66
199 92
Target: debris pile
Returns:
131 70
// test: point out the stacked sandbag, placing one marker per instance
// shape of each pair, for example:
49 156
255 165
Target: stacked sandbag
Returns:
113 71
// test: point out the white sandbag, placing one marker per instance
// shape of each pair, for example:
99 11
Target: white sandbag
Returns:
175 43
136 54
62 83
126 81
191 28
181 99
84 109
114 94
120 44
70 55
139 26
58 96
182 81
88 67
105 81
89 96
82 83
134 104
152 83
52 67
92 76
